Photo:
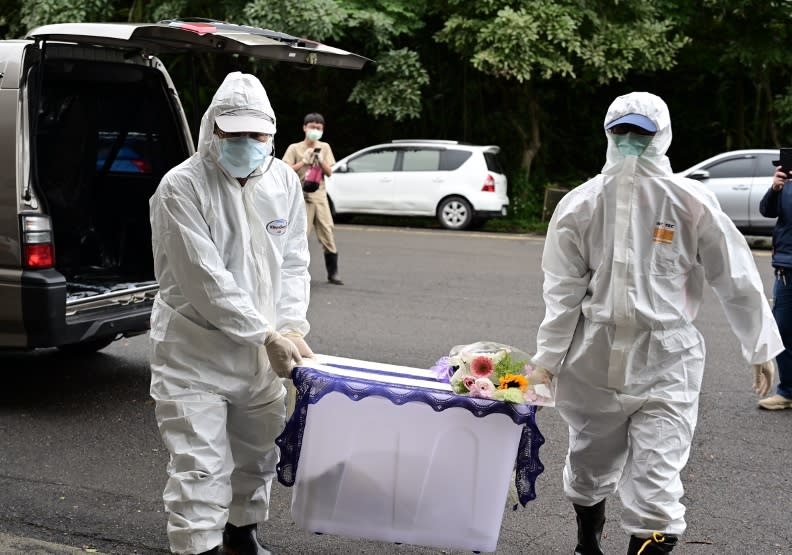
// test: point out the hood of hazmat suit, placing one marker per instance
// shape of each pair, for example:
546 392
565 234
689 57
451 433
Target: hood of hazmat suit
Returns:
625 260
231 260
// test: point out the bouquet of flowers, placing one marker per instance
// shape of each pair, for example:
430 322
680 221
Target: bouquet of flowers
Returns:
490 370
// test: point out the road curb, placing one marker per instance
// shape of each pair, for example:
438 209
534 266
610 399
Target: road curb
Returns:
16 545
759 242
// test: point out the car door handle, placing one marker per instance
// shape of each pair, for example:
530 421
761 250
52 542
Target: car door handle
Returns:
741 187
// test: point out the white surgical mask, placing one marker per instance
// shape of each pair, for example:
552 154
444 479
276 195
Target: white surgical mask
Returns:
632 144
313 134
241 155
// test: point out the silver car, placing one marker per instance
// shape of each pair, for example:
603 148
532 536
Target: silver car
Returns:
89 122
739 178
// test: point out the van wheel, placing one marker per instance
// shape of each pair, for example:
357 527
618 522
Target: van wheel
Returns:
455 213
87 347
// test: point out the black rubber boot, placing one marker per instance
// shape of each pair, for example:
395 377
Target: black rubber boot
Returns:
331 262
590 522
241 540
656 545
213 551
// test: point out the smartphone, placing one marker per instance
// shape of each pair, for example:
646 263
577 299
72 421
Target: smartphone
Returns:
785 160
318 149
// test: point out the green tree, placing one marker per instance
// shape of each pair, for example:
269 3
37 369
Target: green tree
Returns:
525 43
392 88
41 12
740 55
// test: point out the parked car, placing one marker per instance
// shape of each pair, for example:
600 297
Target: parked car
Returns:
458 183
739 179
89 123
134 153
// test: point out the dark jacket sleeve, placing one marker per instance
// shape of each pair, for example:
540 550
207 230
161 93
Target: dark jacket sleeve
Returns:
768 206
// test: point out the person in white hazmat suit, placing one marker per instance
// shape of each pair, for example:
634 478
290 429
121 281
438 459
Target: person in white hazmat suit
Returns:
624 264
231 257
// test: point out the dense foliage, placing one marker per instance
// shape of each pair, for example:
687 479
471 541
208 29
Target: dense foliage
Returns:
533 76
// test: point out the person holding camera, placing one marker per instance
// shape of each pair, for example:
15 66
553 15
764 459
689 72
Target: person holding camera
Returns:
777 203
308 157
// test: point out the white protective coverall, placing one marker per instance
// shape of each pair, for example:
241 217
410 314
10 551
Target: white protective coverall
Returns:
625 260
232 265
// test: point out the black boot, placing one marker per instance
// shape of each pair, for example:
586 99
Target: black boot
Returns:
241 540
213 551
656 545
590 522
331 261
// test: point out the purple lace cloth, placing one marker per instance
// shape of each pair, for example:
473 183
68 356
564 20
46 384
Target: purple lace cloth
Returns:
313 384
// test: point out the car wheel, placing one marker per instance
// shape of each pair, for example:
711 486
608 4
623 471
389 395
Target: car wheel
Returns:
87 347
455 213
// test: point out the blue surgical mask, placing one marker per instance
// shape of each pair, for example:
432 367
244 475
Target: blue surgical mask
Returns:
632 144
241 155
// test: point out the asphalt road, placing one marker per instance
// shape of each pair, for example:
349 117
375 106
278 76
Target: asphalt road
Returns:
81 463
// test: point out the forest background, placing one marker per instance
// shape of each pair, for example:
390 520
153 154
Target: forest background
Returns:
532 76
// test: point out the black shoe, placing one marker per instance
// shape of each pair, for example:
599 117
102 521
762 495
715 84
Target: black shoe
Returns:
241 540
213 551
656 545
331 262
590 522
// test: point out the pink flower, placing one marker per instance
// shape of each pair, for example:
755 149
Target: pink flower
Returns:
530 396
482 388
468 381
481 367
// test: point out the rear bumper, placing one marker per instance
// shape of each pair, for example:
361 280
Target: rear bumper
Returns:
489 214
46 323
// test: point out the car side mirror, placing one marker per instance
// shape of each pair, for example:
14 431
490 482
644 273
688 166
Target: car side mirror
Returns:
341 168
699 175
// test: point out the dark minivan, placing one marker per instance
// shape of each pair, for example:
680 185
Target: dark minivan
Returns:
89 123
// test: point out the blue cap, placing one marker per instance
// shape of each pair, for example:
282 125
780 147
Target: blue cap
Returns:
635 119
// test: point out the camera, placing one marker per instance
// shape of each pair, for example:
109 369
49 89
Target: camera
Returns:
784 160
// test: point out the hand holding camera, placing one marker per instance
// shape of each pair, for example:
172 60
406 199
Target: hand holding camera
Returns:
779 178
308 157
783 168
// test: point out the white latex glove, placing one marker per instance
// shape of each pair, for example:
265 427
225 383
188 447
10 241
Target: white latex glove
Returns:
763 377
540 375
308 157
302 346
282 354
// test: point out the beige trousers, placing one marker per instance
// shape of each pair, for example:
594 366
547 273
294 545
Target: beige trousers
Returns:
319 216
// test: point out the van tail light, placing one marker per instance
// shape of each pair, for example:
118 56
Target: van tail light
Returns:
489 184
38 252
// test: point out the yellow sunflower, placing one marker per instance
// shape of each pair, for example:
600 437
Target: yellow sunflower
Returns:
513 380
